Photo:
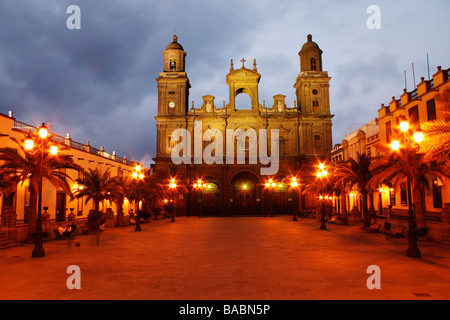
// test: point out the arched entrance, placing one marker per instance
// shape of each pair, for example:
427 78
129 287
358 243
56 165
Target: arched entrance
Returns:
279 197
245 195
204 198
210 199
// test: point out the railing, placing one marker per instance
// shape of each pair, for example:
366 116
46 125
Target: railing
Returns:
414 94
73 144
24 127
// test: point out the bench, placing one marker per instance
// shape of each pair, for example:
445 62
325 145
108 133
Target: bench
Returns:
59 236
374 228
396 233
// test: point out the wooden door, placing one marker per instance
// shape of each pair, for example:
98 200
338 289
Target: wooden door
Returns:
60 213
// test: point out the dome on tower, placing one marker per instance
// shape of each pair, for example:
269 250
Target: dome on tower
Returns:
174 56
174 45
310 56
310 45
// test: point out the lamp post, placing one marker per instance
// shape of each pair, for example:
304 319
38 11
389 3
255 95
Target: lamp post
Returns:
43 133
294 185
137 176
407 142
172 187
270 185
199 187
322 174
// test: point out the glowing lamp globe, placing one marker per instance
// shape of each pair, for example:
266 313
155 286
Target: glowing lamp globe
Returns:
53 150
404 126
418 137
395 145
43 131
29 144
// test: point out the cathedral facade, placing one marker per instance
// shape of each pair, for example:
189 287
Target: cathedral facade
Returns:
222 146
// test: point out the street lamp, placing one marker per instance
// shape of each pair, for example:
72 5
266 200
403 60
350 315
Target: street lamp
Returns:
417 138
199 187
172 187
270 185
138 175
322 174
294 185
43 133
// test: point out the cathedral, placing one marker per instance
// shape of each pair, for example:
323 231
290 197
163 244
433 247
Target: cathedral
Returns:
235 183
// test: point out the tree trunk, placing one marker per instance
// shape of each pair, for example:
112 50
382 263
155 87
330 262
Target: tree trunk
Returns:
344 206
32 214
419 206
365 209
120 213
300 200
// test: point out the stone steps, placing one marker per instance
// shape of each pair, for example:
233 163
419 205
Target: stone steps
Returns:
446 240
7 241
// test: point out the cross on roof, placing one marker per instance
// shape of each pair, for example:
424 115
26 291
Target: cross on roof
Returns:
243 62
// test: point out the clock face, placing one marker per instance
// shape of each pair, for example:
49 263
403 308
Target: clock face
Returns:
171 104
314 91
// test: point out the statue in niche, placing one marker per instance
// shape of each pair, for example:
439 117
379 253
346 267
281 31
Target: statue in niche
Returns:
208 106
280 106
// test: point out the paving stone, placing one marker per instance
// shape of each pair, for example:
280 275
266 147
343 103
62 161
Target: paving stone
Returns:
246 258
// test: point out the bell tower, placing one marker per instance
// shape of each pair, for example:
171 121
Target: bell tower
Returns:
173 83
313 100
173 95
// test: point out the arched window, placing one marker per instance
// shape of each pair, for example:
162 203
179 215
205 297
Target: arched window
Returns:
173 64
316 108
282 146
243 101
313 64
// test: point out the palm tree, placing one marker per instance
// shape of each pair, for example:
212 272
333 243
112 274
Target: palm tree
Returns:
148 190
174 172
154 189
19 165
118 194
339 191
96 186
407 163
320 186
356 172
299 167
437 142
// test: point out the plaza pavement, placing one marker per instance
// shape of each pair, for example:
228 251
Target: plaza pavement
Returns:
246 258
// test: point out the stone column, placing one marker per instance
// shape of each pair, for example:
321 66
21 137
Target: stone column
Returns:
8 221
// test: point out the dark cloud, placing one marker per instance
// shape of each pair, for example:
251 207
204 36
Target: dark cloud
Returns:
98 83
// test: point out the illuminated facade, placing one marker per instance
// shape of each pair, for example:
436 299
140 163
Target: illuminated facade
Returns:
233 188
389 202
417 107
16 220
363 140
